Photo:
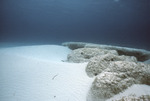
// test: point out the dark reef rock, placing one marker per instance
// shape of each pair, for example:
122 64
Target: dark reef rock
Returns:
74 45
140 54
147 61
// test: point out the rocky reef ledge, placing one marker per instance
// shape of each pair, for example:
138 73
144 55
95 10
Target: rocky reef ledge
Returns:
113 69
141 54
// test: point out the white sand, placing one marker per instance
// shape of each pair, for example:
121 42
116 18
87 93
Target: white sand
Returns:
38 73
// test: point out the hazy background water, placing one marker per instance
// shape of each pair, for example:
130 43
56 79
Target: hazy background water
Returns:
116 22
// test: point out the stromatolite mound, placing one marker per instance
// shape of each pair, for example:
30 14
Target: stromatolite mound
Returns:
117 77
135 98
140 54
98 64
113 68
108 84
138 71
85 54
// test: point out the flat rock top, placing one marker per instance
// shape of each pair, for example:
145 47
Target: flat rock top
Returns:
140 54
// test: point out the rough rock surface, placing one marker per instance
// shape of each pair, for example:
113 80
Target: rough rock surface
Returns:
113 68
135 98
99 63
108 84
139 71
140 54
85 54
117 77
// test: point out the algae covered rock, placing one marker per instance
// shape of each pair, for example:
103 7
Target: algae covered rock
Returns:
113 68
119 76
85 54
140 54
108 84
135 98
99 63
138 71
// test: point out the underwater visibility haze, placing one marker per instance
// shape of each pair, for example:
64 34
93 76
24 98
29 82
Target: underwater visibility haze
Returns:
116 22
35 65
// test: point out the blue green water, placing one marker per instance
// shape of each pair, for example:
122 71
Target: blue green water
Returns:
116 22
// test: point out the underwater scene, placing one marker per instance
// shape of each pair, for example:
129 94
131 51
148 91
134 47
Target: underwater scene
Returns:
74 50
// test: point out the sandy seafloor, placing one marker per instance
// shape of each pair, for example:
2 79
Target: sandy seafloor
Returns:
39 73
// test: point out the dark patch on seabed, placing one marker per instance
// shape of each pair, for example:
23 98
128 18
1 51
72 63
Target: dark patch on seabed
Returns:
114 22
